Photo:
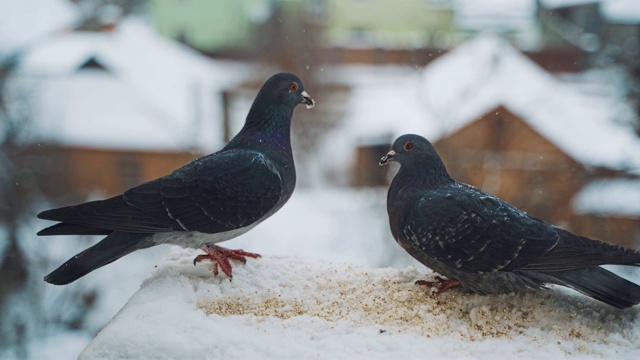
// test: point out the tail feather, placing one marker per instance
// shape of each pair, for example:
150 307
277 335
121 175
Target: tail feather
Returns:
602 285
110 249
73 229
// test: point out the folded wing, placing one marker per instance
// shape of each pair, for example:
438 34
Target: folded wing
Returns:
219 192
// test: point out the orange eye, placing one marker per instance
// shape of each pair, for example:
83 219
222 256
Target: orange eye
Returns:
293 87
408 146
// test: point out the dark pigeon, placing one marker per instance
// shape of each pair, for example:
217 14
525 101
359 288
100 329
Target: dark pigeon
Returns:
486 245
212 199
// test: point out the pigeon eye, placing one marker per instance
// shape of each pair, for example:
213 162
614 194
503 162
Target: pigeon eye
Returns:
293 87
408 146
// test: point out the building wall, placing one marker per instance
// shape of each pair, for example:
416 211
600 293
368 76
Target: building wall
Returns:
503 155
76 173
619 230
367 171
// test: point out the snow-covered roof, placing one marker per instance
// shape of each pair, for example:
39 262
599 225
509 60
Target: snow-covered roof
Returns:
383 101
609 196
152 93
25 22
488 72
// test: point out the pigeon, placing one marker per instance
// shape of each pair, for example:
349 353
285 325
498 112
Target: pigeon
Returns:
214 198
486 245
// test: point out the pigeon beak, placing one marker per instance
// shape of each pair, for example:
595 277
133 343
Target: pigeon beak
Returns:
307 100
387 158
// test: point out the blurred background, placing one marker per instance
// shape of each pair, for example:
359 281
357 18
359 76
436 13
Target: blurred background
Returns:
536 101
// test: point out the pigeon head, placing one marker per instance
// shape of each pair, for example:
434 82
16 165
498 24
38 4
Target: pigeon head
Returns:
411 149
416 154
269 119
284 90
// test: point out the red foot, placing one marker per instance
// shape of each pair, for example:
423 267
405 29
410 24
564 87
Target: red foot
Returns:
442 284
221 256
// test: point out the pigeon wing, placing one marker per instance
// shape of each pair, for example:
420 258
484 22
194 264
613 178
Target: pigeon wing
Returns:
469 230
219 192
103 217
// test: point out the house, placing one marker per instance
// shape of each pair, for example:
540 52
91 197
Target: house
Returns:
115 108
505 125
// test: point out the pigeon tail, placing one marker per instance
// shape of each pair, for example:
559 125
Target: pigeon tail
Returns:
602 285
110 249
73 229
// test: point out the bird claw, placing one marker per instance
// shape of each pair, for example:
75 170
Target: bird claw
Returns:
441 284
220 257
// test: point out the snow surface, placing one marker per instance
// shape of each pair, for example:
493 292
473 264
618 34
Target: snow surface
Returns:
610 196
296 307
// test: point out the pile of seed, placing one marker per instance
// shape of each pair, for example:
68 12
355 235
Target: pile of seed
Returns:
388 299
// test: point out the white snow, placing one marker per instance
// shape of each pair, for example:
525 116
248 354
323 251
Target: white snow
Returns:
296 307
621 11
27 22
609 196
61 345
385 104
153 93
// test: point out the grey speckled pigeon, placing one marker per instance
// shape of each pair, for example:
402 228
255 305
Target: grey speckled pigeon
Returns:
212 199
486 245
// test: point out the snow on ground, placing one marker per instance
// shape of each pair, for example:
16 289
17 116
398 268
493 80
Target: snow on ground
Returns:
297 307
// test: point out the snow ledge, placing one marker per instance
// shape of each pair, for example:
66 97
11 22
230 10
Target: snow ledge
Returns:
294 307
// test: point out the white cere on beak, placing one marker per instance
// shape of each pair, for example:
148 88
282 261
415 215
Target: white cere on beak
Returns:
387 158
307 100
